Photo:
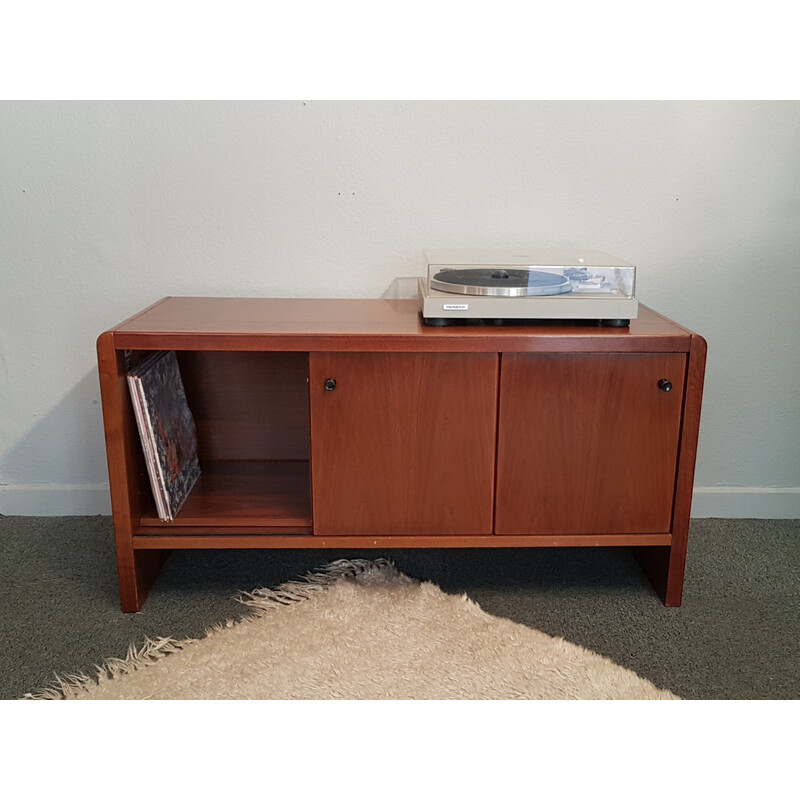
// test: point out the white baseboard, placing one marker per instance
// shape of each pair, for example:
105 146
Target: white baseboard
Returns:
727 502
54 500
746 502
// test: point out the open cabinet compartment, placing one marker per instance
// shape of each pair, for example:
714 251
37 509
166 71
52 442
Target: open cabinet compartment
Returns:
251 415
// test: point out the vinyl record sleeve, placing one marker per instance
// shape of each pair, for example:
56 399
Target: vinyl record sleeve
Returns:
167 430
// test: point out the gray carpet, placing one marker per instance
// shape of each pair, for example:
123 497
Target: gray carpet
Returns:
735 637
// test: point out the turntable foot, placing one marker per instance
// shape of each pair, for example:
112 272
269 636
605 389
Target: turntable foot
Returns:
615 323
440 322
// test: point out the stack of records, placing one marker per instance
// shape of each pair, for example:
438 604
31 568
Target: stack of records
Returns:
167 430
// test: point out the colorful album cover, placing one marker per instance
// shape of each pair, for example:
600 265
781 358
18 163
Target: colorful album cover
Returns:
167 430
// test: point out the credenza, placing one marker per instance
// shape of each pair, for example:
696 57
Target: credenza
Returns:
349 423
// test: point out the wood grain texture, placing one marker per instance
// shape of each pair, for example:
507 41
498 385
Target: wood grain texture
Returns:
665 566
233 494
403 453
128 482
259 538
587 443
404 444
298 324
248 406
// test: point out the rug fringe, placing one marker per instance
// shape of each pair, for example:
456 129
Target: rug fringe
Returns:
266 599
261 601
70 687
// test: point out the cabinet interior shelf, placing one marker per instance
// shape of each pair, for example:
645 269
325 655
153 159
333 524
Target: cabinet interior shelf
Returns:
230 494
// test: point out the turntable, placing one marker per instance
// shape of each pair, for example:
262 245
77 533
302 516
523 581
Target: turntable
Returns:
496 287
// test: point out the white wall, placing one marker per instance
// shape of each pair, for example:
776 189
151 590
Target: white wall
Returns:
106 207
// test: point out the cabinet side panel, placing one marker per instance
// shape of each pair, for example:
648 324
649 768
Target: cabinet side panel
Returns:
588 443
404 443
665 566
128 481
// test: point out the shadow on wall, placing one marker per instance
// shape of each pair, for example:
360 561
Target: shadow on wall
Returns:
58 467
401 289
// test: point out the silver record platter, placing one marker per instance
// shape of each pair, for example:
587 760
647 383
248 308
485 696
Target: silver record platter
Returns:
500 282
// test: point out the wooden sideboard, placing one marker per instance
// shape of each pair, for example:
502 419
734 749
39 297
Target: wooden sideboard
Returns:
351 424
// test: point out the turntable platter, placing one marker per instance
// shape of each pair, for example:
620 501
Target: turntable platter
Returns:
500 282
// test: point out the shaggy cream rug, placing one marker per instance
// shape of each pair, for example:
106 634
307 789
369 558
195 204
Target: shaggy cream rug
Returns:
360 630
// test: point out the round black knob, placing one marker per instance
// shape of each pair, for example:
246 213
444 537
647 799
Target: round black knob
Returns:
665 385
330 384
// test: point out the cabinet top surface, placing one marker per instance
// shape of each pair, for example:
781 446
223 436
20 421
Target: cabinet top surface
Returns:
304 324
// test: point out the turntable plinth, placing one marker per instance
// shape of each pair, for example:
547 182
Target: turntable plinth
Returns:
350 424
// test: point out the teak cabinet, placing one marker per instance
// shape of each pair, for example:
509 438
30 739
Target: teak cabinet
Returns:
349 423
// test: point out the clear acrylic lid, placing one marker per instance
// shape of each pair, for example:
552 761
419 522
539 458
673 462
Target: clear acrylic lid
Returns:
535 273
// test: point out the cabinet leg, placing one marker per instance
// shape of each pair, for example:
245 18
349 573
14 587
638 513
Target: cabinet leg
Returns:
138 570
664 568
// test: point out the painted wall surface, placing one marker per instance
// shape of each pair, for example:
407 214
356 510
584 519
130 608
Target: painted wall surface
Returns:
106 207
